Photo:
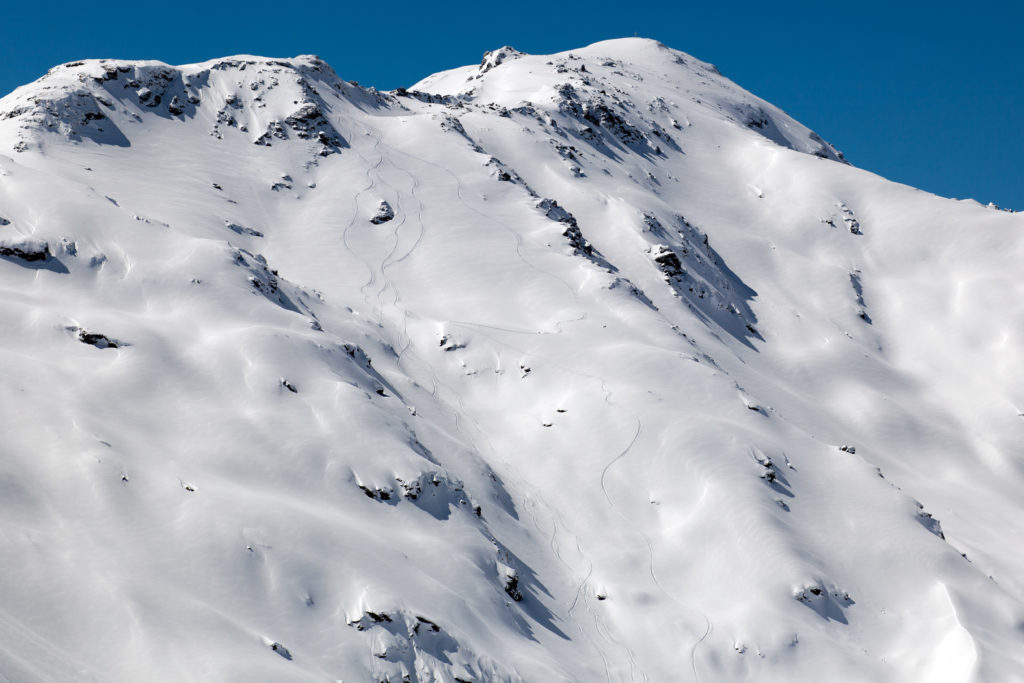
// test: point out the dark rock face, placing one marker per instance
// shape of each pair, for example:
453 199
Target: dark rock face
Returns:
667 260
309 123
109 95
572 231
512 587
699 276
26 250
496 57
100 341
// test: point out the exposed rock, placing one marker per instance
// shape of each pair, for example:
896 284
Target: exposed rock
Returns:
26 249
383 214
100 341
497 57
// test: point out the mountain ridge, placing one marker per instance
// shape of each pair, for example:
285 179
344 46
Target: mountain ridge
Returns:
152 82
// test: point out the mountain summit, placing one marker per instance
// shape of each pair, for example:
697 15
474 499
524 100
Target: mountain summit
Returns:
579 367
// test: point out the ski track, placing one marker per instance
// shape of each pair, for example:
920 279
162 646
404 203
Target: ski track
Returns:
517 239
371 278
556 519
650 550
37 657
622 454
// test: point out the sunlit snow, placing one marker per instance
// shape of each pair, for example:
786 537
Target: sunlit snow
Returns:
581 367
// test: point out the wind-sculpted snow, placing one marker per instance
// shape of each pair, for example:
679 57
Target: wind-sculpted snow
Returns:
583 367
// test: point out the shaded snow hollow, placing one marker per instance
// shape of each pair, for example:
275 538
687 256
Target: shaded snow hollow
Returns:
580 367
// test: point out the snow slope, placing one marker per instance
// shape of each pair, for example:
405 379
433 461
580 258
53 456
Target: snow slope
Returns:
581 367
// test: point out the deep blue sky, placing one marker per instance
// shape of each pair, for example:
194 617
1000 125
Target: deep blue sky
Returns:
925 93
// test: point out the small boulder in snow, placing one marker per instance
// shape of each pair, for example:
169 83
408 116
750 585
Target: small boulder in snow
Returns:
278 648
384 213
100 341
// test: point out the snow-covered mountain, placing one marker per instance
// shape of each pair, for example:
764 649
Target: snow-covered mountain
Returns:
581 367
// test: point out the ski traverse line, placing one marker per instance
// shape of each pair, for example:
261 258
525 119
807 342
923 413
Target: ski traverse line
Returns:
389 260
373 175
606 634
709 626
614 460
530 504
517 239
419 217
355 215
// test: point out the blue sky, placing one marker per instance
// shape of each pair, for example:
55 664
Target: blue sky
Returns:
928 94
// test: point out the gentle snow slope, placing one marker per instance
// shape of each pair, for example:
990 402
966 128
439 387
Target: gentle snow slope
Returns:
579 367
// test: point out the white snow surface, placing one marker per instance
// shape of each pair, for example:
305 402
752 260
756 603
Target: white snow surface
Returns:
639 383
